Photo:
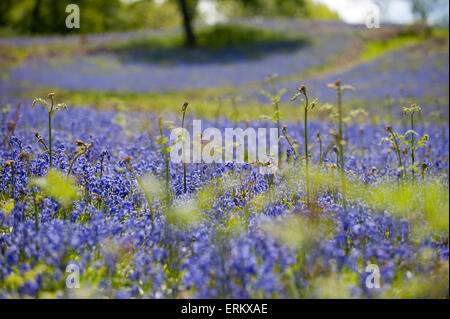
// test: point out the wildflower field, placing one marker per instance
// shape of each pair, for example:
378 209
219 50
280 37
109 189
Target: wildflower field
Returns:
353 204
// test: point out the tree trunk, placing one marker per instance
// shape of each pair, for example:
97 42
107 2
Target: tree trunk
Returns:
5 6
187 14
34 28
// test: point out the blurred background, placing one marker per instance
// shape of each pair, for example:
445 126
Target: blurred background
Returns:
154 54
46 16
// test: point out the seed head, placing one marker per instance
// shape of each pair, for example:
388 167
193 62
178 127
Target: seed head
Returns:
11 126
334 133
128 160
38 199
23 155
80 143
302 89
9 163
405 151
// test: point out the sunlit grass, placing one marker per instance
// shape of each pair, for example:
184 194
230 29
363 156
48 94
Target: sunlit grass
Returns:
377 48
205 103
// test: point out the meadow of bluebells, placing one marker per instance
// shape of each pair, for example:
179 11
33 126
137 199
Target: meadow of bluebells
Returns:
112 71
126 246
412 73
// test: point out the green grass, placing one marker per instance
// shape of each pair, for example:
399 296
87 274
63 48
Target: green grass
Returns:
375 49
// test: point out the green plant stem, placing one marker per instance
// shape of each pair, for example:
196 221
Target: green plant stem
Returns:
306 151
412 148
73 161
86 190
320 151
306 134
184 153
290 144
36 222
277 112
332 182
399 156
341 147
50 137
362 143
13 181
101 168
166 160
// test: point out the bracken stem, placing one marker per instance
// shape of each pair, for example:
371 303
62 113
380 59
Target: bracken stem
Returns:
184 152
306 151
277 112
399 156
341 146
412 147
50 137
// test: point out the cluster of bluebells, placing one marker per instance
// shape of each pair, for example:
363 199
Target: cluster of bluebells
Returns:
125 245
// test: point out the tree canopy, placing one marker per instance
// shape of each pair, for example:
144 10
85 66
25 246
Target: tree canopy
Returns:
48 16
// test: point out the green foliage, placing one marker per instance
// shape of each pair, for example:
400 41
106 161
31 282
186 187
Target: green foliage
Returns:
48 16
183 216
278 8
295 231
57 185
421 286
162 140
249 41
7 206
376 48
421 142
51 108
396 141
314 10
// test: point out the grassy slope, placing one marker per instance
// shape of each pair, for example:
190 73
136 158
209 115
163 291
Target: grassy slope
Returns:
205 102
